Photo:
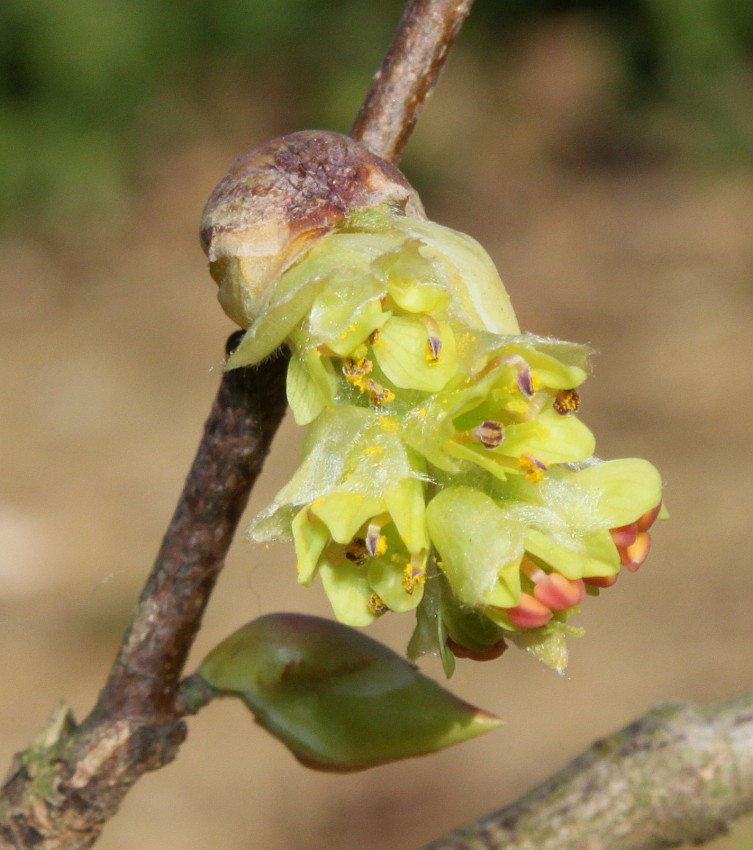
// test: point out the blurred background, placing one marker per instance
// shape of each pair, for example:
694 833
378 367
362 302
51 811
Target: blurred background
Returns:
601 151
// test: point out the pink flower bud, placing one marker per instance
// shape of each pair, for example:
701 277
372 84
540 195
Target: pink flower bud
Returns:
559 593
645 522
601 581
631 557
624 535
529 614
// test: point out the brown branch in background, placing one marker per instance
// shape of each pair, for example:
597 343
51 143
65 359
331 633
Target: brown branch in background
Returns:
62 790
248 410
408 74
82 773
678 776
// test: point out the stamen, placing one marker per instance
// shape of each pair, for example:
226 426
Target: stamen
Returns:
490 434
552 589
433 349
373 337
378 395
356 369
376 542
533 467
434 342
414 574
524 380
514 360
533 571
376 606
566 402
356 551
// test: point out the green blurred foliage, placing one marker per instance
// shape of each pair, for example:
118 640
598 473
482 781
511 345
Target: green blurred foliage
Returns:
87 84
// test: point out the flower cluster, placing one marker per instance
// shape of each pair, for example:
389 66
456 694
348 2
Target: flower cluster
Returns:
445 468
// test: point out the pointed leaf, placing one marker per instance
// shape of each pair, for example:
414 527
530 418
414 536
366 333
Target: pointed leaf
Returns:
337 699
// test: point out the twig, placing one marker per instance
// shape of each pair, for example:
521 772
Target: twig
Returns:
248 409
61 790
408 74
677 776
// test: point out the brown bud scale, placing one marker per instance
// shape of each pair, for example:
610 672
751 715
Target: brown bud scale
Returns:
304 181
279 198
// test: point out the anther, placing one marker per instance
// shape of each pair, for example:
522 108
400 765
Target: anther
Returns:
490 434
376 542
378 395
356 551
414 574
601 581
566 402
460 651
433 349
355 369
533 468
524 380
376 605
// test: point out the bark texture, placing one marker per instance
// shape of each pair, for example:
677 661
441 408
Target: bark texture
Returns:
71 780
408 74
677 776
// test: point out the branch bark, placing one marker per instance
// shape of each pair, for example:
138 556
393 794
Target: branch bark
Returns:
62 789
677 776
408 74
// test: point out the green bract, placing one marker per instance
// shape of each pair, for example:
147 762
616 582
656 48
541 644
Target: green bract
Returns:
445 469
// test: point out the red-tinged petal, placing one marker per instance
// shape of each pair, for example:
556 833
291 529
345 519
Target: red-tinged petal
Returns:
559 593
529 614
624 535
601 581
645 522
631 557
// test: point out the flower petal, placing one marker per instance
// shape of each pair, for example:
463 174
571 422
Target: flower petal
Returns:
551 438
401 351
476 541
311 385
345 512
310 538
348 591
613 492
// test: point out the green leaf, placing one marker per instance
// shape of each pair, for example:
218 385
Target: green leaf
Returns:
337 699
